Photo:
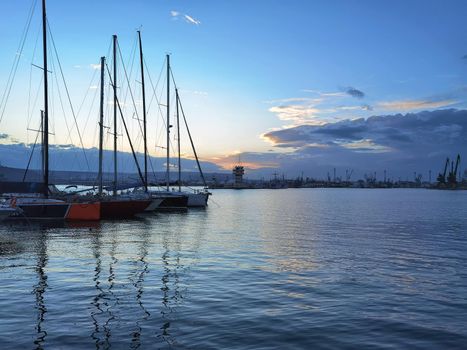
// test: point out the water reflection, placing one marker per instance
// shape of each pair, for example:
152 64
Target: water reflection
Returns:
128 280
99 301
40 288
171 294
138 280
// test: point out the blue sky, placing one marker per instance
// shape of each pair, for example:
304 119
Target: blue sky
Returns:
247 69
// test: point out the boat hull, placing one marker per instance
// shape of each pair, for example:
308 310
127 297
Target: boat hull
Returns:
122 209
155 203
199 200
43 211
84 211
172 202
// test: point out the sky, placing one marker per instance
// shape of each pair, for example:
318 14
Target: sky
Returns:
294 87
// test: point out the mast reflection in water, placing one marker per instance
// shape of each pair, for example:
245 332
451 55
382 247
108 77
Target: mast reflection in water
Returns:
40 288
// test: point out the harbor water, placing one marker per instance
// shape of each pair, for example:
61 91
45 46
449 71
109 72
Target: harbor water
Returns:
258 269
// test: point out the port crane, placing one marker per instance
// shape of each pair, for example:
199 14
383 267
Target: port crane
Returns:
442 177
452 176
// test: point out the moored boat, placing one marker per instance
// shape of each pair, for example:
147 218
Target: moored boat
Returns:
120 208
170 201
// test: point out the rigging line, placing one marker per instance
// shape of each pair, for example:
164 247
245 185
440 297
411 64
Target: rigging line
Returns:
126 130
87 91
14 67
131 59
157 100
91 108
158 79
30 113
32 152
155 95
154 88
129 89
68 95
189 133
158 104
35 100
61 102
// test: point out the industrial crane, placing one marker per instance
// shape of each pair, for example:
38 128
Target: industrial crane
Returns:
452 177
442 177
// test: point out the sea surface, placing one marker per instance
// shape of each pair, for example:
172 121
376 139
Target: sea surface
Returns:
258 269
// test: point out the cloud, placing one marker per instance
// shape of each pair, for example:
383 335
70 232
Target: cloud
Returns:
95 66
250 160
354 92
298 113
414 134
415 104
401 144
189 19
294 99
356 108
93 87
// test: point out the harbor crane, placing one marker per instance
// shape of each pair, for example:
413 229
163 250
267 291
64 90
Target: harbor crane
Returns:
442 176
452 177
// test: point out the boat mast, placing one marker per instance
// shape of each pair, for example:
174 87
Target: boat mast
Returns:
115 111
101 125
178 145
42 142
46 103
168 122
144 114
192 144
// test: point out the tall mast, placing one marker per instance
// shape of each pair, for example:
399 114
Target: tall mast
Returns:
115 112
101 125
46 103
178 145
168 122
42 142
144 113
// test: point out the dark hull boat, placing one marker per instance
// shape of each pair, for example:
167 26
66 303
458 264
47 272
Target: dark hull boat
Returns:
122 209
34 205
53 211
171 201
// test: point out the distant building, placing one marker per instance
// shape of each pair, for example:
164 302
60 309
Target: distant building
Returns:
238 172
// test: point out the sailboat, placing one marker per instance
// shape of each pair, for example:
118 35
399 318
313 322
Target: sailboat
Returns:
198 198
43 205
116 206
162 200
